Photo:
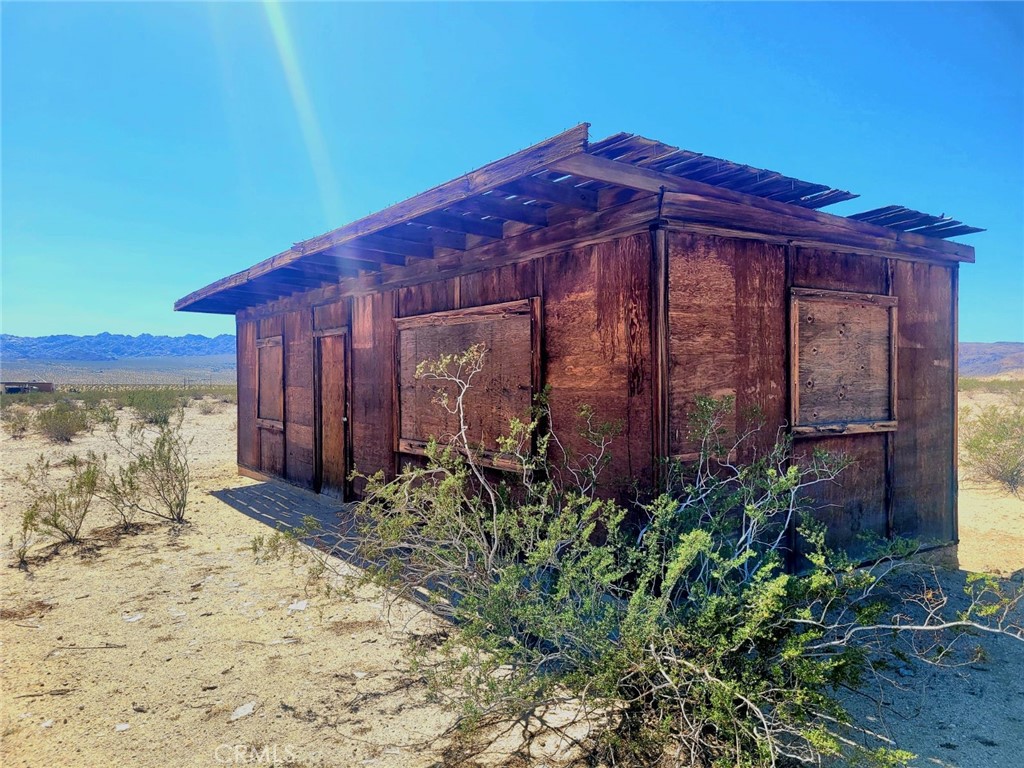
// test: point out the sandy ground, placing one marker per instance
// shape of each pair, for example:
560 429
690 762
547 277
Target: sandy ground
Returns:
991 521
170 633
148 651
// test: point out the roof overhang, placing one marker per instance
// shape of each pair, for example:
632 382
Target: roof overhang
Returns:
546 190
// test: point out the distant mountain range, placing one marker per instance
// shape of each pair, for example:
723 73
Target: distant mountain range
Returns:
112 346
991 359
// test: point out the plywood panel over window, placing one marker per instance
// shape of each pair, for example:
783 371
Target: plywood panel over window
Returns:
501 390
248 435
844 362
270 354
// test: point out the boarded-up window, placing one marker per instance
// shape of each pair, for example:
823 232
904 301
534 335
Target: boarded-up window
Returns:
843 375
271 383
501 390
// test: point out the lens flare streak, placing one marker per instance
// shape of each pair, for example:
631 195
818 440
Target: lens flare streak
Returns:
316 147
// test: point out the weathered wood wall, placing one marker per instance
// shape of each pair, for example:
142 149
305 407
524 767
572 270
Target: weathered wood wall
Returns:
248 437
298 389
593 333
373 375
925 483
502 388
597 351
855 503
727 333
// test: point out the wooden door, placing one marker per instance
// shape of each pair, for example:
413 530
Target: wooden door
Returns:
332 421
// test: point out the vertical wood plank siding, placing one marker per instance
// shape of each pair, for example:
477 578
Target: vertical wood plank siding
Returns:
923 503
855 503
597 350
298 367
722 330
248 436
373 375
727 334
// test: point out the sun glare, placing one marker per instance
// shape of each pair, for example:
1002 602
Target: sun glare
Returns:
316 147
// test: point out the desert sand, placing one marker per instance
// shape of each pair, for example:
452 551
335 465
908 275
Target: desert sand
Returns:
173 648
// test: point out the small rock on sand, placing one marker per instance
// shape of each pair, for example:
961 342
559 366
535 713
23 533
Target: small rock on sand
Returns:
243 711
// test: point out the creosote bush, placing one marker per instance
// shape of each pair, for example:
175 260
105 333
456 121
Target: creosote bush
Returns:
674 629
155 406
62 421
25 537
154 477
993 444
148 476
17 421
208 407
58 507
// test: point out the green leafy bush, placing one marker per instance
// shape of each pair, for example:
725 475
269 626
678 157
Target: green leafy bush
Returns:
27 535
674 629
62 421
154 477
59 506
993 444
154 406
1011 388
17 421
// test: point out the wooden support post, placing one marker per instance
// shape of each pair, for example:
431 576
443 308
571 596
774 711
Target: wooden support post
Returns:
791 391
390 301
659 351
318 436
955 359
890 438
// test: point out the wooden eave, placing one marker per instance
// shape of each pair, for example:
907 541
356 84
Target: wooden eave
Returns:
564 189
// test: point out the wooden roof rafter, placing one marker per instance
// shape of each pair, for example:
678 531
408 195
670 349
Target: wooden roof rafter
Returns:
554 192
716 203
397 247
461 223
437 237
908 220
556 182
491 176
497 206
346 261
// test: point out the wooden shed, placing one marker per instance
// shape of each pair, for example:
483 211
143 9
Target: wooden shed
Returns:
628 275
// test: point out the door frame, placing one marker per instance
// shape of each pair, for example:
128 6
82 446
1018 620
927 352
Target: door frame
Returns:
318 457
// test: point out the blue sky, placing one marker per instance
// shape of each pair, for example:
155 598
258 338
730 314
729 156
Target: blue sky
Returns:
150 148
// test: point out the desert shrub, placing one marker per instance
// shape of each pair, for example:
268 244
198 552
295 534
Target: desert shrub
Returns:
153 477
227 395
62 421
17 421
121 489
675 628
25 536
993 444
102 413
208 407
1011 388
30 399
155 406
59 506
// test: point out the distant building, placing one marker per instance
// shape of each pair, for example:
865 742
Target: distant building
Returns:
628 275
18 387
